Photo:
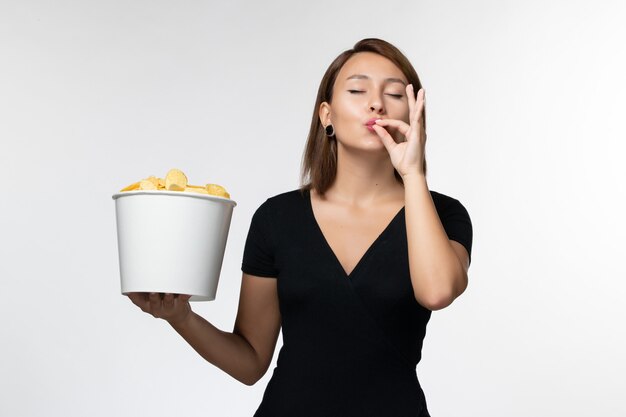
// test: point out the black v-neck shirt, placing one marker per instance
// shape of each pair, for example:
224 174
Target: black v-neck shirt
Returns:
351 343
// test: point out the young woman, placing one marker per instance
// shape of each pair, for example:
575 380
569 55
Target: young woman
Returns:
350 265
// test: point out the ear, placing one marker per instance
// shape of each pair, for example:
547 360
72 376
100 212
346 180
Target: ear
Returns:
324 113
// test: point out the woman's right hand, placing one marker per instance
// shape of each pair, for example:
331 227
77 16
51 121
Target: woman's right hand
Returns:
174 308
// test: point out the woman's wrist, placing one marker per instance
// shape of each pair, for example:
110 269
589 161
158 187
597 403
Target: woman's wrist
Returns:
413 175
182 323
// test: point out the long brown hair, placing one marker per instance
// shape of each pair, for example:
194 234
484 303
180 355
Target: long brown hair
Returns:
319 162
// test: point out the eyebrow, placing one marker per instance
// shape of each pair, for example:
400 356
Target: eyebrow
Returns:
365 77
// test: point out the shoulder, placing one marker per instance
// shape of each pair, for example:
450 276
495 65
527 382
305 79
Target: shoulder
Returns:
443 200
287 197
456 222
284 203
447 205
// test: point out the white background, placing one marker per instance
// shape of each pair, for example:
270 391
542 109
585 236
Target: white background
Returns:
525 104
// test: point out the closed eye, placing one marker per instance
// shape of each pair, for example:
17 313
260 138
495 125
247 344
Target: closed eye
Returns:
397 96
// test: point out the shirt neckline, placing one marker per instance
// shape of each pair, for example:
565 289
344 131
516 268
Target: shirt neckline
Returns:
332 254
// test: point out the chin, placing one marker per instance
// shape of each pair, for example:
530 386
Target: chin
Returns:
365 146
373 143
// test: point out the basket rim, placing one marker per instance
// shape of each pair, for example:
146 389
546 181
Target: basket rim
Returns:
174 193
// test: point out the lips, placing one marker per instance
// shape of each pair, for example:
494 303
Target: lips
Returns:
370 123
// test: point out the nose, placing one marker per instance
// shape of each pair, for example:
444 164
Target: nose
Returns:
376 105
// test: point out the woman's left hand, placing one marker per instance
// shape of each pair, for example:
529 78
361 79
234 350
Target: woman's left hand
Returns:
406 157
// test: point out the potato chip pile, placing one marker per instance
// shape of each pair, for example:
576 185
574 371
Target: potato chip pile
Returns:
176 180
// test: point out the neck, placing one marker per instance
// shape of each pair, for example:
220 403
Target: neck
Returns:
364 178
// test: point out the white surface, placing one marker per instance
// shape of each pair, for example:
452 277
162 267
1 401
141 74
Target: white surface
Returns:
171 242
525 128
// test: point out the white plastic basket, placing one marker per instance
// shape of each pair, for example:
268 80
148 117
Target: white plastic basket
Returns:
171 242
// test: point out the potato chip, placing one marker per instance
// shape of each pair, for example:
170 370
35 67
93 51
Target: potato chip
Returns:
175 180
133 186
194 189
147 185
154 180
217 190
